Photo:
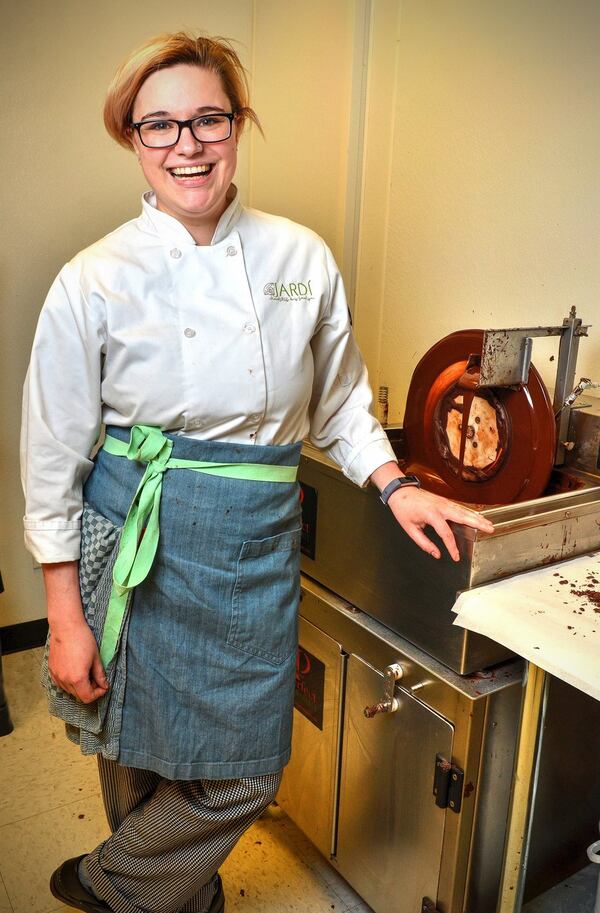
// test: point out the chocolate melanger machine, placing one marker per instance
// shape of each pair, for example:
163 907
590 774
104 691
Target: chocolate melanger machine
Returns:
407 728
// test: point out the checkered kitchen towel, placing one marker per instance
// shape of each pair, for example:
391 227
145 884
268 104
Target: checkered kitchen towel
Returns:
94 727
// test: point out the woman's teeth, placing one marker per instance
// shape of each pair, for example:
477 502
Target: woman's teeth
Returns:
191 170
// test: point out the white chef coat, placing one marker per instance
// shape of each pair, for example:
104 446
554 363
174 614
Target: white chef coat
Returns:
245 340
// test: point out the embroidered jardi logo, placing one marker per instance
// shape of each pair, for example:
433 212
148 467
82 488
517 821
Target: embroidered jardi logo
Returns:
289 291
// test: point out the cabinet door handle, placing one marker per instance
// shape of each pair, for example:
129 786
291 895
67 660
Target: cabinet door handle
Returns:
389 703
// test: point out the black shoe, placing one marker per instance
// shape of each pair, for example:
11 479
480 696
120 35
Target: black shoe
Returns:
218 904
66 887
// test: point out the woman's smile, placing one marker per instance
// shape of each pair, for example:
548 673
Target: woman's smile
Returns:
190 171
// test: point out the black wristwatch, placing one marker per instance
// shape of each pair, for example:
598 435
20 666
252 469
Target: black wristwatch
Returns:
395 484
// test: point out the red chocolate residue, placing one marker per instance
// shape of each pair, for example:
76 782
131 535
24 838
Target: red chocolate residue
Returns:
592 596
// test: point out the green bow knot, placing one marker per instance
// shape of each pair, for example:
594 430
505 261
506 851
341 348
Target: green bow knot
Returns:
141 530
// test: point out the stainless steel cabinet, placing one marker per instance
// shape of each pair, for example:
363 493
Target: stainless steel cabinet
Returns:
362 789
390 831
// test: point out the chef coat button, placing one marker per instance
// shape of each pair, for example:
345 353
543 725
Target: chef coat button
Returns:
195 423
189 332
249 328
255 417
231 251
175 253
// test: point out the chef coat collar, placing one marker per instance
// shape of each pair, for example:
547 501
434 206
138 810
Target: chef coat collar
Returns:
172 230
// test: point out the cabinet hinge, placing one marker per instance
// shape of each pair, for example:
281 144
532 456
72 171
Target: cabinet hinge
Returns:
428 906
447 784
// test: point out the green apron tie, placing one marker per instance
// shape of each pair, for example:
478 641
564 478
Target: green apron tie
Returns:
140 534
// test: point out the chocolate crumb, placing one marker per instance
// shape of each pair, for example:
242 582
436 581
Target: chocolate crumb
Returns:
591 595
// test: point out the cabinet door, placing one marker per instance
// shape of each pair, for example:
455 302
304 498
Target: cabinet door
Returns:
308 789
390 830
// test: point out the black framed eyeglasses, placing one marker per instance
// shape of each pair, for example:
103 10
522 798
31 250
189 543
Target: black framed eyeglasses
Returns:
164 132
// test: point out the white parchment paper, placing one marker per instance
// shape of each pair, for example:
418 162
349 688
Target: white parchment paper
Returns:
550 616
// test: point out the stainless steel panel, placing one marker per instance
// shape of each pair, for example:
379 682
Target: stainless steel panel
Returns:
364 556
390 831
536 533
491 800
437 686
309 786
506 354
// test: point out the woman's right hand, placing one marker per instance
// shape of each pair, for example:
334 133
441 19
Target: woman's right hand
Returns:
73 661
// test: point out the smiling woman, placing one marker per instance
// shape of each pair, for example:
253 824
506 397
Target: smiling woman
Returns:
210 339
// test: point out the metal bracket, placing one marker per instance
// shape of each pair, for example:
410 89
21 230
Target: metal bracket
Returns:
441 781
506 360
389 703
455 791
506 355
448 784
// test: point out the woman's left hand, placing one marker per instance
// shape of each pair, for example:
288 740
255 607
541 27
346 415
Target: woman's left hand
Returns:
414 509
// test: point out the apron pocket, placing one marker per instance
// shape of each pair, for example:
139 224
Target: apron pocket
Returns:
265 597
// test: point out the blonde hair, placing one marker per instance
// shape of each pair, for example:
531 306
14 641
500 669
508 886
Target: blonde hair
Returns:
167 50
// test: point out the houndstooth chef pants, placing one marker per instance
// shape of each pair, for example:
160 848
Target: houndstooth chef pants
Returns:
169 837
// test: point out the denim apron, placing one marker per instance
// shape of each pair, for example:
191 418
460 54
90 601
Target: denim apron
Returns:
211 633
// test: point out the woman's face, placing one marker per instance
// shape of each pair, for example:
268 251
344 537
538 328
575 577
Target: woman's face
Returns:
196 199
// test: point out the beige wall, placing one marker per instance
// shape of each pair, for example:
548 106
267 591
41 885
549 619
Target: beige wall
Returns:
302 66
484 183
476 187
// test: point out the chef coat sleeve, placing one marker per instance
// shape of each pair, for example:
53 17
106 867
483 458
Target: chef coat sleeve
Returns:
61 418
341 420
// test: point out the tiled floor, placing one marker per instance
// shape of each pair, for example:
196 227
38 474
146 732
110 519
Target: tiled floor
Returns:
50 809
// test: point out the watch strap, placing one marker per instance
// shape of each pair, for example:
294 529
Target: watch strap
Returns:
395 484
